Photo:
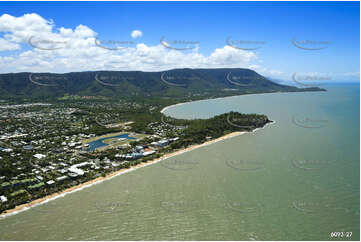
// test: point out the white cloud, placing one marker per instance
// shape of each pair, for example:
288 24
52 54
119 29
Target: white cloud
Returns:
7 45
20 29
266 71
136 33
76 50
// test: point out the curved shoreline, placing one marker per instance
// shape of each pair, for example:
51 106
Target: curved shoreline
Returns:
201 100
37 202
48 198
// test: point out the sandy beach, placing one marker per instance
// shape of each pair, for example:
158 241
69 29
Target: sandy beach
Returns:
37 202
79 187
204 100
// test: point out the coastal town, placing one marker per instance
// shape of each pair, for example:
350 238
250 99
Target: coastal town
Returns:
180 121
40 157
46 148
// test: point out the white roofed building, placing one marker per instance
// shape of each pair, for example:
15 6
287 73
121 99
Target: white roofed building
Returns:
3 199
39 156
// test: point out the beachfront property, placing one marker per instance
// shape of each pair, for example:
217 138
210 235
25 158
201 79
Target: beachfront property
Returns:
142 151
161 143
3 199
51 182
164 142
134 156
75 171
58 162
146 153
61 178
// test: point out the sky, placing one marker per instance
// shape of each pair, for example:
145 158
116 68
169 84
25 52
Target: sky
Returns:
280 40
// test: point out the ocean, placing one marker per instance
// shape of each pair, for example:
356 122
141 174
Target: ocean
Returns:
296 179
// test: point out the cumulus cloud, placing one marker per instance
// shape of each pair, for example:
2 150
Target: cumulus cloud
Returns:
266 71
7 45
52 49
20 29
136 33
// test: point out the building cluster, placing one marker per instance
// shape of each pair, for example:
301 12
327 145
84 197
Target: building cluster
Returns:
66 164
162 128
142 151
42 157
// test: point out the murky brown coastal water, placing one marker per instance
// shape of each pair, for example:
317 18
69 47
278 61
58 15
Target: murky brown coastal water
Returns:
297 179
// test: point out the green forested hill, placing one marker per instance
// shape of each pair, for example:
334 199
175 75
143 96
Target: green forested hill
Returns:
177 83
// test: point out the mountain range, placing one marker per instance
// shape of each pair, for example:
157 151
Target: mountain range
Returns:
176 83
